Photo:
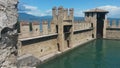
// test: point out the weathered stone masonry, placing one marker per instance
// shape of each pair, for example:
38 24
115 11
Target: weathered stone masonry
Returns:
63 34
113 30
8 33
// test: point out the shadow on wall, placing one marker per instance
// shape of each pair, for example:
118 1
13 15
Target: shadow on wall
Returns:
38 40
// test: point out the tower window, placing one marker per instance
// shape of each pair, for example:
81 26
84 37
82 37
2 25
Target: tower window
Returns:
92 14
87 14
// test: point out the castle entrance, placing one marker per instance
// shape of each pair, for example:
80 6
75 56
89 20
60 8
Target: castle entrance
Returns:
100 25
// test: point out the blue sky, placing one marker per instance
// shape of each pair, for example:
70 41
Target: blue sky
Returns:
43 7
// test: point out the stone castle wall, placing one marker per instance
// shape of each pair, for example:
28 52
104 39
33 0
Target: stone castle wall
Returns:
62 34
82 36
37 29
39 47
37 40
44 44
82 31
113 34
44 41
113 29
81 25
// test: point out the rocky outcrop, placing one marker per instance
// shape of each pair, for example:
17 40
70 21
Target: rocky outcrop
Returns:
8 33
27 60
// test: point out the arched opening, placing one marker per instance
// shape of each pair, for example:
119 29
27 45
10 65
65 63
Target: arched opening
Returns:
68 43
58 46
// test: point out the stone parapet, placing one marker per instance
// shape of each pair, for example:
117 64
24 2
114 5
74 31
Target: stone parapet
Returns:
113 24
32 29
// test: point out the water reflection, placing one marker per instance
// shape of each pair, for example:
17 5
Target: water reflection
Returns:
99 53
96 54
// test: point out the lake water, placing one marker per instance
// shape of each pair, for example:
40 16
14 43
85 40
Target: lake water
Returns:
96 54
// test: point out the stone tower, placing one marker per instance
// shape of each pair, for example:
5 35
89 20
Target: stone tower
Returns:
99 20
54 14
64 26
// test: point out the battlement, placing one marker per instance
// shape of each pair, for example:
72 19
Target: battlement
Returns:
24 23
25 26
82 25
35 23
60 34
113 24
64 14
31 29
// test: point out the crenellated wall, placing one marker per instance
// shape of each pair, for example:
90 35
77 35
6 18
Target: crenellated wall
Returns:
35 28
63 33
37 39
113 29
83 31
113 24
32 29
81 25
24 27
44 40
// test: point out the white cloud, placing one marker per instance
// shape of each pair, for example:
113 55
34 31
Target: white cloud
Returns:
114 11
33 10
48 12
30 7
79 13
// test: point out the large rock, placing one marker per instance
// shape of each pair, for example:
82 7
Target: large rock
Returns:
8 13
8 33
27 60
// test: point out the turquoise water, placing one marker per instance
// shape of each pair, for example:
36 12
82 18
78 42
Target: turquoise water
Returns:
96 54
